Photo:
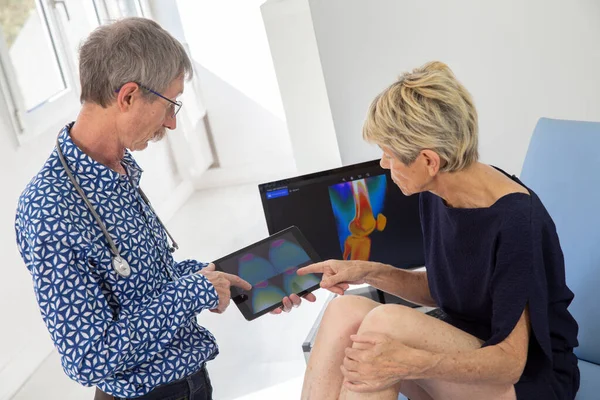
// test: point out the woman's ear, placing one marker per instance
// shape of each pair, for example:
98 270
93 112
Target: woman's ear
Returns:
433 162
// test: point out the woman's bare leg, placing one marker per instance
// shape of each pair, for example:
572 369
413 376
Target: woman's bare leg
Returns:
408 388
323 378
421 331
343 317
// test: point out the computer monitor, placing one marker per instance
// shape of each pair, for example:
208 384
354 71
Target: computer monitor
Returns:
353 212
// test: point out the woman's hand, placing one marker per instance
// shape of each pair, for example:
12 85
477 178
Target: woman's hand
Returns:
339 275
378 361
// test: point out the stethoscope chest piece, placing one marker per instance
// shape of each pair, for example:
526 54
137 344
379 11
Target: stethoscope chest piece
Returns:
121 266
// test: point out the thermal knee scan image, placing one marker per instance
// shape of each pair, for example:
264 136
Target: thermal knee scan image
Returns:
257 271
358 209
271 270
286 256
355 212
265 296
254 269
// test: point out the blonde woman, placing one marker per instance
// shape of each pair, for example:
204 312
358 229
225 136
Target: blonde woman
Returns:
493 265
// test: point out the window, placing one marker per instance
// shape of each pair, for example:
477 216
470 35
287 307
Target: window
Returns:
28 30
39 42
109 10
38 39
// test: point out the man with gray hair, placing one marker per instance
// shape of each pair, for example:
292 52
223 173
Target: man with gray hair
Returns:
120 310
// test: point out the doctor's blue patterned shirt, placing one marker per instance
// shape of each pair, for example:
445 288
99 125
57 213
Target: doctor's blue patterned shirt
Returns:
125 335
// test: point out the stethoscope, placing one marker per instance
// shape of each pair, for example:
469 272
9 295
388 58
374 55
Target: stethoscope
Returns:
119 264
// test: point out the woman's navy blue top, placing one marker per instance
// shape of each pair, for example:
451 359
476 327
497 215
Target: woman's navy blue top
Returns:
484 265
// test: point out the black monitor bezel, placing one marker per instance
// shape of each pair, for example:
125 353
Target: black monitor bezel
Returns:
267 186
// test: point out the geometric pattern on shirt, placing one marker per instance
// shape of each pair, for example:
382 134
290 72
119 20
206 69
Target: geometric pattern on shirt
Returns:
124 335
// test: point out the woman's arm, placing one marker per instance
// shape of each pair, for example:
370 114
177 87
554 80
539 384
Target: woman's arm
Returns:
339 275
409 285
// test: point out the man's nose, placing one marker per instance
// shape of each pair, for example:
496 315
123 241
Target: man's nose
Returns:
170 122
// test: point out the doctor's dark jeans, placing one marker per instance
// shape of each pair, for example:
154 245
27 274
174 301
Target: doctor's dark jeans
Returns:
194 387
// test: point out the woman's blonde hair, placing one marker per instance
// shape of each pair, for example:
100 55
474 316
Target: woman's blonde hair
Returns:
427 108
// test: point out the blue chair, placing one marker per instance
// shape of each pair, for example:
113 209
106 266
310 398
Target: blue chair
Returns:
563 167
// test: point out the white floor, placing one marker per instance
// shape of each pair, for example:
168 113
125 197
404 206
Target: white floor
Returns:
261 359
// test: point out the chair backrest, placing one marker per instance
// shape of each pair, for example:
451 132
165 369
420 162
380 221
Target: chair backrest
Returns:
563 167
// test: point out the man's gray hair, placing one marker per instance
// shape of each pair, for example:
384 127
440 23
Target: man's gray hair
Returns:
129 50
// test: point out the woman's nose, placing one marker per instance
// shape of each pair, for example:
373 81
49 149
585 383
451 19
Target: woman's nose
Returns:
383 162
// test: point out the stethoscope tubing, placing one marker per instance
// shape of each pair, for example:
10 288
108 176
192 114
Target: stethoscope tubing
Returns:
119 264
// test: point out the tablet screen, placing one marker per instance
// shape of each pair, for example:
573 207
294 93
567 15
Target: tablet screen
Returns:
270 267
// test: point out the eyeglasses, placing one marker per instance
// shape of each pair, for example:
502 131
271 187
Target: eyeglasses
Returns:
175 105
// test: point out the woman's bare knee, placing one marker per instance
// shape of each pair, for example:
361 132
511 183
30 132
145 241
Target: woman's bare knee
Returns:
403 322
348 311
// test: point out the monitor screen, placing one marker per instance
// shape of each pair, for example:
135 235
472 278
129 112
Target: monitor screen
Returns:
354 213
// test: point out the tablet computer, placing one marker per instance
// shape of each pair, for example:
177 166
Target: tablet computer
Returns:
270 267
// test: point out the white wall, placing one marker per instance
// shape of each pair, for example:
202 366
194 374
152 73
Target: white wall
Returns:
227 37
24 341
302 84
521 60
239 89
252 144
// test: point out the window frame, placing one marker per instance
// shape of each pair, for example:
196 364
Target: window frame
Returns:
55 110
142 8
63 106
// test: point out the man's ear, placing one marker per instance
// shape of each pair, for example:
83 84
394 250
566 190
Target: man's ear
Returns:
432 160
125 97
